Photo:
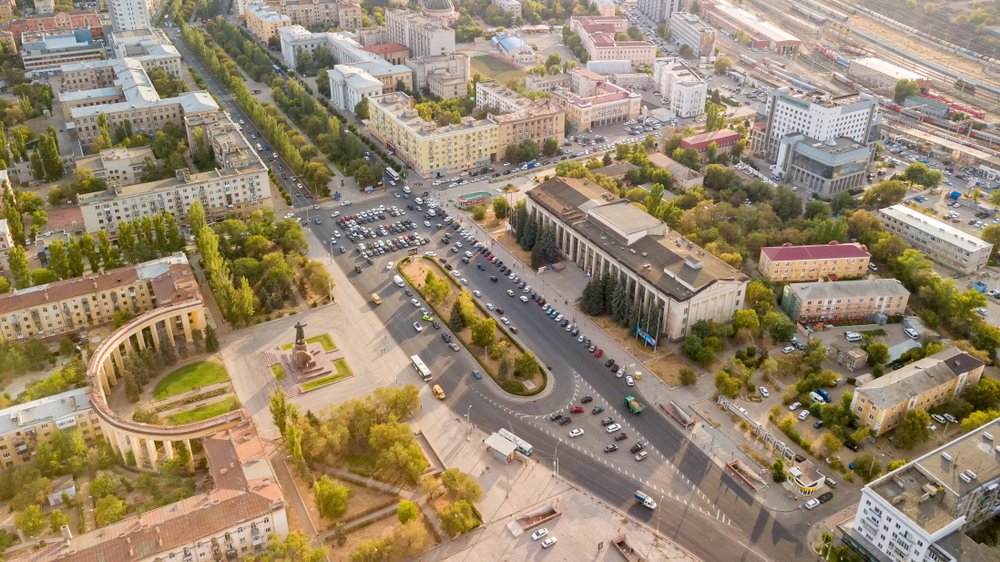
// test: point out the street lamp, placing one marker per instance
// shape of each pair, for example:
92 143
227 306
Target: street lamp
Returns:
468 427
556 456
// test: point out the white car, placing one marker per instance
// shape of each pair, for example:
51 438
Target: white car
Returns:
476 293
539 534
465 281
613 428
489 306
524 298
388 266
504 320
549 542
414 302
430 254
335 214
456 273
788 349
418 327
510 293
812 503
427 223
803 415
468 254
795 406
764 392
629 380
576 432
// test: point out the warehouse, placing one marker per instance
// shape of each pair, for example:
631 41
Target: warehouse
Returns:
733 20
881 74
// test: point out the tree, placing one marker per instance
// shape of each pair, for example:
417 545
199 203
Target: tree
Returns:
478 212
878 353
779 326
778 471
685 51
867 467
108 510
483 332
457 320
211 341
461 485
760 297
914 429
361 109
458 518
985 395
57 519
688 376
143 415
406 541
746 320
104 485
30 520
368 550
828 443
904 89
786 205
715 117
18 262
817 210
407 512
525 364
279 409
919 173
501 208
330 497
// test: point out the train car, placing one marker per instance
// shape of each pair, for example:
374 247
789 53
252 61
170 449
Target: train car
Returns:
963 85
802 85
844 80
747 60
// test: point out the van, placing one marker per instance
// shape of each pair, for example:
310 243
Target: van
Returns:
641 456
259 147
816 398
438 393
831 482
398 280
376 299
853 336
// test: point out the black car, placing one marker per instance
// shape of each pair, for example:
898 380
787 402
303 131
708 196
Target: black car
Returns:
481 267
799 458
851 445
565 420
636 448
499 311
611 448
513 328
607 421
564 323
621 436
521 285
448 266
609 362
493 278
825 497
555 416
436 324
587 399
818 424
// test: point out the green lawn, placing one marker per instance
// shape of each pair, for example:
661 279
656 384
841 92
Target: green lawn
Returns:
279 372
186 378
343 371
203 412
495 68
324 339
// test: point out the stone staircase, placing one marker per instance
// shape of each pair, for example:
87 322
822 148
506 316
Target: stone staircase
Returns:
271 357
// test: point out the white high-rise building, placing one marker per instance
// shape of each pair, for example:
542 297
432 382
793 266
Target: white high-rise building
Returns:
660 10
128 15
685 91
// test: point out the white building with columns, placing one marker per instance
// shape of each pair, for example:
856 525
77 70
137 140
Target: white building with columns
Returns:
349 85
659 267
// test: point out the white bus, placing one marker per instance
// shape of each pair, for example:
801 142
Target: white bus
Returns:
393 175
522 445
421 369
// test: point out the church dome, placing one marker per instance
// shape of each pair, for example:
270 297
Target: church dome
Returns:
437 9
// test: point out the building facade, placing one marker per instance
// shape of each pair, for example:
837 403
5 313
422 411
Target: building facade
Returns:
725 140
660 270
605 24
424 37
348 52
939 241
881 404
881 74
24 426
44 53
688 29
492 94
512 7
127 15
342 14
733 19
263 21
350 85
685 91
392 52
66 22
117 166
796 264
446 76
836 301
660 10
607 105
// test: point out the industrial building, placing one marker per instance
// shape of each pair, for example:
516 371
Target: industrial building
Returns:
878 73
732 20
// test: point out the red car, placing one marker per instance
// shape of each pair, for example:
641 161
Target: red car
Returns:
576 410
598 353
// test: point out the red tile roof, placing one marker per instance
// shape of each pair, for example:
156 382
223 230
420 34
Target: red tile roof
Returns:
385 48
720 138
833 250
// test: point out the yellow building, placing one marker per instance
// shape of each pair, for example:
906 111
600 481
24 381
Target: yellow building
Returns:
24 426
263 21
539 123
884 402
794 264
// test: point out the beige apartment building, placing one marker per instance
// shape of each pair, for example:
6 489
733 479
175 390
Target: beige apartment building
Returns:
794 264
345 15
24 426
446 76
425 37
883 403
538 123
939 241
844 301
608 104
263 21
117 166
64 307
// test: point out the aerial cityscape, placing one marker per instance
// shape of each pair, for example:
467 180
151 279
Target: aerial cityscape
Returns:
269 269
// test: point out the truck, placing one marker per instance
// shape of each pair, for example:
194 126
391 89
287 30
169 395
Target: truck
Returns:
532 164
633 405
826 395
645 499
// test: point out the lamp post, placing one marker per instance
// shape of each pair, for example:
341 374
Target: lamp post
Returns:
556 455
468 427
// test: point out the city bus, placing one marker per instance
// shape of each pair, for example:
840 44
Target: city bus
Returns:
393 175
421 369
522 446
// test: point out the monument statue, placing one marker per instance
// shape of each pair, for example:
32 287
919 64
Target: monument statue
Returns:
300 336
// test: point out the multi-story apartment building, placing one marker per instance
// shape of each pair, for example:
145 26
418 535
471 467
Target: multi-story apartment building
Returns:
939 241
132 14
392 52
132 97
796 264
424 37
922 510
446 76
660 10
101 74
434 151
45 7
492 94
608 104
347 52
64 307
339 13
816 115
536 83
688 29
24 426
603 46
241 510
512 7
238 186
685 91
263 21
44 53
137 42
837 301
725 140
657 266
117 166
66 22
6 9
882 403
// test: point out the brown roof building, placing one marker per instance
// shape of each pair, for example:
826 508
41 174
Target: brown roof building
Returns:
63 307
241 507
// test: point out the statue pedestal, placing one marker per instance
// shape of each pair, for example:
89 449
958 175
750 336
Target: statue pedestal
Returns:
304 357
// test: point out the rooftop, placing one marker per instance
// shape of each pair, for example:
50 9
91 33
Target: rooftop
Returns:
662 257
920 376
847 289
400 107
385 48
934 227
678 170
753 23
831 251
916 496
54 408
705 139
887 68
619 169
266 13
